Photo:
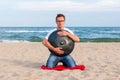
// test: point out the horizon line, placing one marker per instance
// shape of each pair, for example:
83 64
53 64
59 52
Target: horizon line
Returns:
55 26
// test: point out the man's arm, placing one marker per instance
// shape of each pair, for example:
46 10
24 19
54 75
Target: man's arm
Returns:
73 37
49 46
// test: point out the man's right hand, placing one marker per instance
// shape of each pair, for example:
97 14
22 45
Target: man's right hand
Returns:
49 46
58 51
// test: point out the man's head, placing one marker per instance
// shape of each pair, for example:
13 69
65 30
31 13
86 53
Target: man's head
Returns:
60 21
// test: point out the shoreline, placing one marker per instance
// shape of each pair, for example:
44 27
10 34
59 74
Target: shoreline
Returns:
103 40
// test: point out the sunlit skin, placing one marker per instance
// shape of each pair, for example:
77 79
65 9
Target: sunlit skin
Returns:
60 23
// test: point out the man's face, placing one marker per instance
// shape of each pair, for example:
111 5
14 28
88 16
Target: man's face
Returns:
60 22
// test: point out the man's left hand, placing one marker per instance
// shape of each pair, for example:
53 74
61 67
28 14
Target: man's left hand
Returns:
63 33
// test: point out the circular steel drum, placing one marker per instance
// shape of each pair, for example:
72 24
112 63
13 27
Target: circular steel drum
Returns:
64 42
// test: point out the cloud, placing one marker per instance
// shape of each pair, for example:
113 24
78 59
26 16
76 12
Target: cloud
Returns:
67 5
56 5
108 5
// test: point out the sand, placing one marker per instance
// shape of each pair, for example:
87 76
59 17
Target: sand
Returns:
22 61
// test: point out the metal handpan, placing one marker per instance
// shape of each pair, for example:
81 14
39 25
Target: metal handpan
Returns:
64 42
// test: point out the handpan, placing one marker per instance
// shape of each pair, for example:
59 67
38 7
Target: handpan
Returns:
65 43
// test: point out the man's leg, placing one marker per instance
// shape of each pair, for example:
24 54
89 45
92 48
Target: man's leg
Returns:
52 61
68 61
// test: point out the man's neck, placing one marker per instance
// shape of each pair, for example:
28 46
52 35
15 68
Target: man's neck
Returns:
60 28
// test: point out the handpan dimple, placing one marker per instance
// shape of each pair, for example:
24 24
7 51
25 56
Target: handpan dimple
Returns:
64 42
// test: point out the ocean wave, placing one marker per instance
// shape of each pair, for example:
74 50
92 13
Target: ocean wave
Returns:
14 41
35 39
24 31
110 32
100 40
22 39
36 34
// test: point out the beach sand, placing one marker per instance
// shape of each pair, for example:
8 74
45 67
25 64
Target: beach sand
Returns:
22 61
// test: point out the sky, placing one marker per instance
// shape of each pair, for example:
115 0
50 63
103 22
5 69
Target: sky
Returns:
43 12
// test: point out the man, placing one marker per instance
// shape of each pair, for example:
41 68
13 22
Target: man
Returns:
53 60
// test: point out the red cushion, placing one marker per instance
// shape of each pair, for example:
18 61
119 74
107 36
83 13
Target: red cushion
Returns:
61 67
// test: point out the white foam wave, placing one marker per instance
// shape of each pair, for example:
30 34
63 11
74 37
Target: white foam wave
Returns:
13 41
110 31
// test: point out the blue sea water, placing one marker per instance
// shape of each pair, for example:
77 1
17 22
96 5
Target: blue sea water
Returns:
36 34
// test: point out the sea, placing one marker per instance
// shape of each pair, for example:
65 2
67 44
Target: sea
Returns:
37 34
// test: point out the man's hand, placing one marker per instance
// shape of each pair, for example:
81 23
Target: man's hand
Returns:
58 51
72 36
63 33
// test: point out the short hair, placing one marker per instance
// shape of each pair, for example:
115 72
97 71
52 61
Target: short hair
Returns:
60 15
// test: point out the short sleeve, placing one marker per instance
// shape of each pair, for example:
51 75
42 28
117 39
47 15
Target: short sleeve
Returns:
69 30
50 33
